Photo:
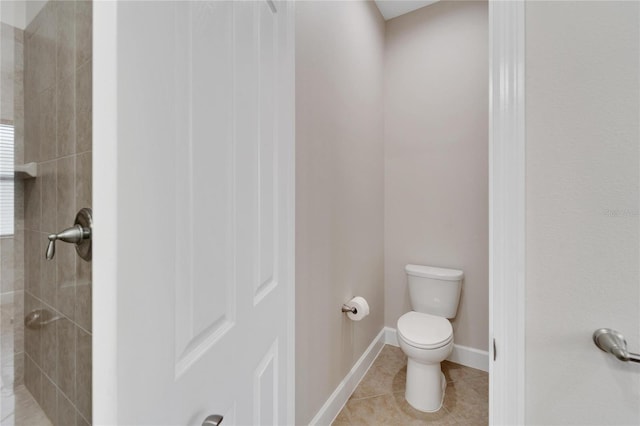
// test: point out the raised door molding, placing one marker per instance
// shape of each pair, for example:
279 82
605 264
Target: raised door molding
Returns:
507 211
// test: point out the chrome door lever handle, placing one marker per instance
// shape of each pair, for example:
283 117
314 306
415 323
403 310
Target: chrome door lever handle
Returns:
213 420
613 342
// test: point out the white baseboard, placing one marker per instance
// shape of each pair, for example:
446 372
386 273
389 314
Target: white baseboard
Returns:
330 410
463 355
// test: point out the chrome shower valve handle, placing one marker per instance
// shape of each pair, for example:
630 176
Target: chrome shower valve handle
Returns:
72 235
79 234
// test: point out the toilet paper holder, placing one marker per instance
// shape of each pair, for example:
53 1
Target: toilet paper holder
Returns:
351 309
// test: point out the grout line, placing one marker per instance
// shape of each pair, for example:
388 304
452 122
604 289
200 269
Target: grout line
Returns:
370 396
45 375
60 313
61 157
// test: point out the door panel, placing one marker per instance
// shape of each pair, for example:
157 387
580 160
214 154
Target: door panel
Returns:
583 187
205 168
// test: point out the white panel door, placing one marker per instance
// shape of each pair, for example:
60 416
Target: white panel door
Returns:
203 240
583 194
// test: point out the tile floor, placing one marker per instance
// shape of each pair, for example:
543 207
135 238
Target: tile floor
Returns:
379 398
17 405
19 408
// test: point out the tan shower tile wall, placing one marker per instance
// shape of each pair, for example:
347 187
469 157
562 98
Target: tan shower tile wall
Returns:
58 73
12 246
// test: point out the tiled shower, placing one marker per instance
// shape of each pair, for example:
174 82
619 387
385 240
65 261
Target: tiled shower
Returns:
52 79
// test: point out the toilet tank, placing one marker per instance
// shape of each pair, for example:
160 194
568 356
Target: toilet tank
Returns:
434 291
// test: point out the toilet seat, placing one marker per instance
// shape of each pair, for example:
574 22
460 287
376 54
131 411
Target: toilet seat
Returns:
424 331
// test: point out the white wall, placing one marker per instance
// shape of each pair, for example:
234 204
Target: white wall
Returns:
339 194
436 156
582 124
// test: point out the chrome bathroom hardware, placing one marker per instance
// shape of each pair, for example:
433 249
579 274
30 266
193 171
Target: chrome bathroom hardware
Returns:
346 308
213 420
39 318
613 342
79 234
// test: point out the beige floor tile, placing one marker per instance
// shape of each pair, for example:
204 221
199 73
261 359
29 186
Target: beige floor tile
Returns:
387 374
468 406
377 410
379 398
454 372
343 418
411 416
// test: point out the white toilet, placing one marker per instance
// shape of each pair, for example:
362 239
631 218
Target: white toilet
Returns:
425 334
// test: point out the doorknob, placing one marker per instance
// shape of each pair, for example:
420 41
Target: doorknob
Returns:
79 234
213 420
614 343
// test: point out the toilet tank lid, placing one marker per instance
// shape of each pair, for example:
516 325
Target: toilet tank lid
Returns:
433 272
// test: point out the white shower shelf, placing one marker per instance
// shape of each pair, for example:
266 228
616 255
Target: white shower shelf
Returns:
26 171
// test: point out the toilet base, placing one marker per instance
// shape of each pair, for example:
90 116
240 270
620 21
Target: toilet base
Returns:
425 386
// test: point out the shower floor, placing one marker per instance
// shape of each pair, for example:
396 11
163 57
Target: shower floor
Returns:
19 408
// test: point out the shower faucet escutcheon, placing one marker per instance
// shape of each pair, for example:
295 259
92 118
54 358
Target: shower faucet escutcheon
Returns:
79 234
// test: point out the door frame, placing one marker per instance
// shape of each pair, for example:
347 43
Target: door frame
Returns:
105 204
107 214
507 214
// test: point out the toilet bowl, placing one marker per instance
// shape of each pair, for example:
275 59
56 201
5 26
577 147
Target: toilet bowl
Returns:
425 334
427 340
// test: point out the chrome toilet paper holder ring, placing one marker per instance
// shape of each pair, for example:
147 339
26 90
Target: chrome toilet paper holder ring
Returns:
351 309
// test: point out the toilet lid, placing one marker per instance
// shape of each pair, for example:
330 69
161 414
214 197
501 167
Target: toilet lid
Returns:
424 331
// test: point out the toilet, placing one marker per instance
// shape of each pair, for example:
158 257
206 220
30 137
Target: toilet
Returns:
426 335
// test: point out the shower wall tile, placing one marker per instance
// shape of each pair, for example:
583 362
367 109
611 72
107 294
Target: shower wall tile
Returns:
66 259
6 326
44 51
49 402
7 247
47 124
80 421
18 369
32 131
84 102
29 67
83 295
49 338
83 373
18 324
12 248
67 358
66 117
32 338
33 378
84 32
84 184
32 204
32 263
65 40
19 208
66 412
49 187
58 135
66 173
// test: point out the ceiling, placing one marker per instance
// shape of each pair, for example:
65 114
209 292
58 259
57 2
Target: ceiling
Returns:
393 8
